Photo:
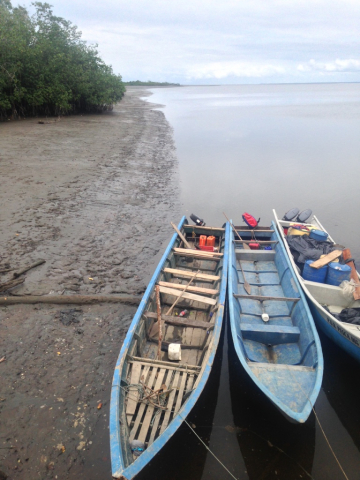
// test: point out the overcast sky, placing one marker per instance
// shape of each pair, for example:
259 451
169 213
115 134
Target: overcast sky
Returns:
222 41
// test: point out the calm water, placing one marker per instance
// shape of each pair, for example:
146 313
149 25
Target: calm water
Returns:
254 148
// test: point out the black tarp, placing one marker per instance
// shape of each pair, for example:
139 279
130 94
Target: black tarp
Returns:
349 315
305 248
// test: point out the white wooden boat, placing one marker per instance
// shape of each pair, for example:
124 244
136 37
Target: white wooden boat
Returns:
325 300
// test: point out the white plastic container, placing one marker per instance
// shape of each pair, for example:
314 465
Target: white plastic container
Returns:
174 352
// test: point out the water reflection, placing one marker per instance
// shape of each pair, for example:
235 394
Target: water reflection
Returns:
258 147
271 446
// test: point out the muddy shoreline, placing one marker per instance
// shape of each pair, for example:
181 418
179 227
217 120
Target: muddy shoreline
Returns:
93 196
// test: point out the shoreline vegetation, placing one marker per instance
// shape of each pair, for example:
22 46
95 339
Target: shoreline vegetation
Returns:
47 69
149 83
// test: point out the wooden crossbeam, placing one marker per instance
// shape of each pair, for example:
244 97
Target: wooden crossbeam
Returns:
211 229
263 242
182 322
153 362
187 273
263 298
198 257
197 253
189 296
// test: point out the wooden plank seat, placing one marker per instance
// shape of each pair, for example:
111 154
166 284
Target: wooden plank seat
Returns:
270 334
181 286
189 296
197 253
186 273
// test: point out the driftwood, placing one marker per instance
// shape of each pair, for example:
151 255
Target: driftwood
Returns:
70 299
11 284
25 269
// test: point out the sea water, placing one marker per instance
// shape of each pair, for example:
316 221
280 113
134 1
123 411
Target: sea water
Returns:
252 148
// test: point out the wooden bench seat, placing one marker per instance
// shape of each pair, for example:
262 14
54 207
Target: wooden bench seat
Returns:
270 334
187 273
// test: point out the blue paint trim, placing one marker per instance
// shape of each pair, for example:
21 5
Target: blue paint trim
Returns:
239 346
117 462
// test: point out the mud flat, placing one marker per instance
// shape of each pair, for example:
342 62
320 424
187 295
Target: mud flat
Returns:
93 196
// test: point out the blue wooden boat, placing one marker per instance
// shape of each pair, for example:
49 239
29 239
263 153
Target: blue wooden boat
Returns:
272 328
151 393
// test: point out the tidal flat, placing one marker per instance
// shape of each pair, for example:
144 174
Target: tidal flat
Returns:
93 196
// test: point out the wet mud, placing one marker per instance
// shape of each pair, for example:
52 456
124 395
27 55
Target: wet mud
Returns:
93 196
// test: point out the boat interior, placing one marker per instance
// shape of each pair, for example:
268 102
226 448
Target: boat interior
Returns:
328 296
272 330
271 324
185 297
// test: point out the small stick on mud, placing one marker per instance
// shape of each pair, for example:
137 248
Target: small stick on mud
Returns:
158 310
25 269
11 284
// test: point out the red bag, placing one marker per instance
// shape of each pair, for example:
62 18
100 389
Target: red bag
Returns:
250 220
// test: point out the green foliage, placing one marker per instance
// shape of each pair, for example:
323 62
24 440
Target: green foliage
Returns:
45 67
149 83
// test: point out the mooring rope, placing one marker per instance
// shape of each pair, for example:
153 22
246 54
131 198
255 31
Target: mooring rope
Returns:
208 449
321 428
126 389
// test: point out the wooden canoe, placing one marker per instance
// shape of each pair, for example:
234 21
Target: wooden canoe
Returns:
151 395
325 300
281 354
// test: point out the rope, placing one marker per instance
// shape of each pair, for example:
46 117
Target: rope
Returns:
327 441
321 428
126 389
208 449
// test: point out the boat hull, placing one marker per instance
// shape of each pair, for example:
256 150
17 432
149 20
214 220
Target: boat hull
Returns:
122 429
346 336
334 331
287 370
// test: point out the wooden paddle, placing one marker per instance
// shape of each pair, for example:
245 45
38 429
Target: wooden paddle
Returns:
246 247
186 243
353 275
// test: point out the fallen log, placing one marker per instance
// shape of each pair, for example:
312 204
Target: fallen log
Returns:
70 299
11 284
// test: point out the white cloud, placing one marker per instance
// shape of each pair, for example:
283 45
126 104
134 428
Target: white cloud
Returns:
347 65
219 70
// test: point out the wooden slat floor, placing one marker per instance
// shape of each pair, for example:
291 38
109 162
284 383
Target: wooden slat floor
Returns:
147 421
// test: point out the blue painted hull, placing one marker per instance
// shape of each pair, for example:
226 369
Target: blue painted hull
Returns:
124 464
335 332
282 356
